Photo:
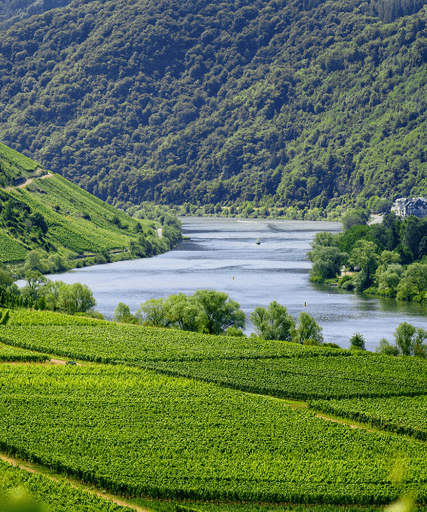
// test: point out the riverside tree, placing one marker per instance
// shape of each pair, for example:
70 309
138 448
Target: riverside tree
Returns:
273 322
308 330
206 311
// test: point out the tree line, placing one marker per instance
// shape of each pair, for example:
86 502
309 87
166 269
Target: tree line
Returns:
206 311
388 259
213 312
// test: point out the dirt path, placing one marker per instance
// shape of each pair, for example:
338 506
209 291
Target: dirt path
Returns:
29 181
61 361
341 422
81 486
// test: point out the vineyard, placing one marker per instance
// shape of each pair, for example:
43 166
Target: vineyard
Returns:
309 378
404 415
187 416
73 220
92 340
17 160
59 498
10 250
136 432
8 354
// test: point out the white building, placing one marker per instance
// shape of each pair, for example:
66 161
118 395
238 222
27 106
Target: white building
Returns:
406 206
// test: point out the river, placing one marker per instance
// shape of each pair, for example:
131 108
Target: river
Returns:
223 255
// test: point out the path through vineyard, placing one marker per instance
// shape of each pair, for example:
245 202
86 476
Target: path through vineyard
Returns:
31 468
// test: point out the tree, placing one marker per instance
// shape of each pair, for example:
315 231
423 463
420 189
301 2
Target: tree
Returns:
327 261
357 341
273 323
364 256
308 329
353 217
36 260
39 221
122 314
414 281
183 312
384 347
6 278
152 312
410 340
35 282
75 298
404 338
219 311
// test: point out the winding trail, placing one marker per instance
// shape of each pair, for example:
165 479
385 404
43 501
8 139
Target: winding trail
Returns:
30 180
76 484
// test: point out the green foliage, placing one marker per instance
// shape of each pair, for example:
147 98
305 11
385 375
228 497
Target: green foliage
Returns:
13 354
357 341
122 314
206 311
353 217
23 491
308 330
219 311
410 340
75 298
386 348
94 340
299 104
125 438
403 415
327 261
51 218
273 322
324 373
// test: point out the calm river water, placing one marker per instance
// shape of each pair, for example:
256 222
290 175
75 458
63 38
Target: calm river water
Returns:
223 255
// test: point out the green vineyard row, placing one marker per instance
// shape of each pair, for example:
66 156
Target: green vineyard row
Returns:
403 415
111 342
8 354
58 497
308 378
141 433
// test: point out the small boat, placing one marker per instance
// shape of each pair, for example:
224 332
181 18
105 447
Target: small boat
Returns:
258 242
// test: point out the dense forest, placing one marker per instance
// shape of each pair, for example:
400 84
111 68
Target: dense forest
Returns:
288 102
12 11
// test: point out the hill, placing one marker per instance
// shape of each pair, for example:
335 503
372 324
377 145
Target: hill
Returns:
195 422
291 102
42 210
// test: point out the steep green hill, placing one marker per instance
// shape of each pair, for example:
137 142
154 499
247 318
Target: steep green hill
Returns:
41 210
296 102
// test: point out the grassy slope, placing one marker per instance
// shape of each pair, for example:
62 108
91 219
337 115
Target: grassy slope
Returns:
77 220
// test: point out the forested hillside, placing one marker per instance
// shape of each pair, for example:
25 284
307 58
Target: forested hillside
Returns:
12 11
292 102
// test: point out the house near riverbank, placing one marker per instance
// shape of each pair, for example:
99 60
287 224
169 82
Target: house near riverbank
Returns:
406 206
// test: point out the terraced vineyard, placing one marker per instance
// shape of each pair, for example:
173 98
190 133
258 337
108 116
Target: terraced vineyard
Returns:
8 354
309 378
73 219
91 340
10 249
